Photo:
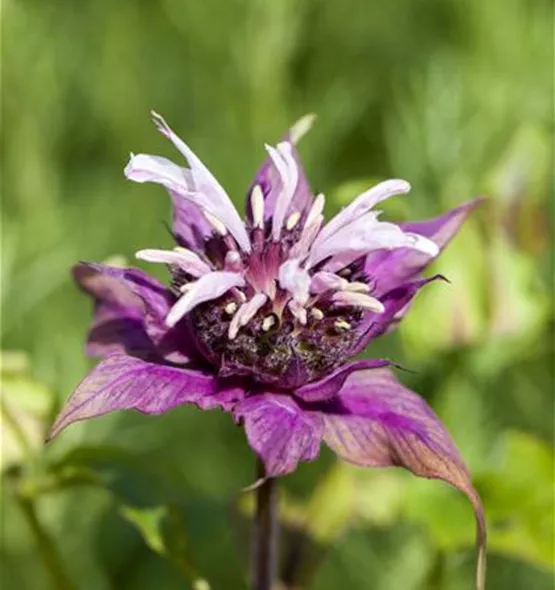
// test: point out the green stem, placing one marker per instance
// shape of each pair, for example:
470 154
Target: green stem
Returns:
46 548
265 533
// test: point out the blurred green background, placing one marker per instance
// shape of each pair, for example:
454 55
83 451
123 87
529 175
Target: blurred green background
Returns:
456 96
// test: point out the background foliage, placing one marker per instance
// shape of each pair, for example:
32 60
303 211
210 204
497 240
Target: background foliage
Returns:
454 95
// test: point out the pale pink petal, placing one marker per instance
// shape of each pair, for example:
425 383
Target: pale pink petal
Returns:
389 269
287 169
185 259
365 235
147 168
361 205
208 287
269 180
209 193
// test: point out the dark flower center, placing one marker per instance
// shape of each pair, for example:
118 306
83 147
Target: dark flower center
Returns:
275 350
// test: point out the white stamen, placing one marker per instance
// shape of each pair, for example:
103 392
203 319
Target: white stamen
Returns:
316 210
317 313
268 323
311 228
345 298
357 287
230 308
215 223
257 206
301 127
298 311
245 314
309 233
293 220
342 325
241 296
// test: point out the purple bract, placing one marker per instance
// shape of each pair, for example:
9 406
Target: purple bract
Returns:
261 317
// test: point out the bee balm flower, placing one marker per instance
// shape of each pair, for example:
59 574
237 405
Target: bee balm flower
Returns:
261 318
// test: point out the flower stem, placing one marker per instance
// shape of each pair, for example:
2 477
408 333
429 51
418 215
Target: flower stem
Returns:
46 548
265 533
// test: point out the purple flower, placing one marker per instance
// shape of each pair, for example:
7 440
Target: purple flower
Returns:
261 318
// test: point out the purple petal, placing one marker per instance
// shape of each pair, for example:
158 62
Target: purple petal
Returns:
122 382
396 303
151 301
377 422
118 325
190 227
279 431
389 269
328 386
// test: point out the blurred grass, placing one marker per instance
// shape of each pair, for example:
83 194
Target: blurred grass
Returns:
454 95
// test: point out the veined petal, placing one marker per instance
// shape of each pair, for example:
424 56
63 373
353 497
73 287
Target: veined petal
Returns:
122 383
118 325
208 192
361 205
279 431
295 279
185 259
208 287
377 422
112 285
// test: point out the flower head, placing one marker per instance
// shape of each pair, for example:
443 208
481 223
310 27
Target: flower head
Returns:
261 318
